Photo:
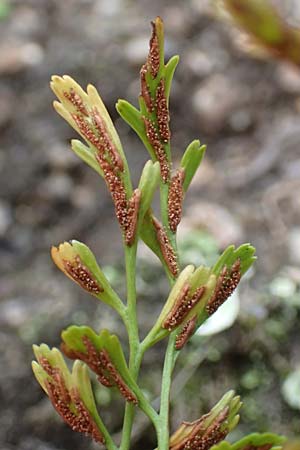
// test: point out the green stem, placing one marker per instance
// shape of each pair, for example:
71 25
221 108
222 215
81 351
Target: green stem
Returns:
109 443
117 303
131 322
144 405
132 328
129 412
148 410
163 436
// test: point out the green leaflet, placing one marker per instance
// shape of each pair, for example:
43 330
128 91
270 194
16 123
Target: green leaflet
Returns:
201 277
87 154
55 358
82 110
148 184
191 160
133 117
88 258
184 277
89 100
224 413
170 68
256 441
245 253
72 257
77 379
148 235
73 342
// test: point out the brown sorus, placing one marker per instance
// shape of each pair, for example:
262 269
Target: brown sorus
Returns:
175 199
162 112
226 284
80 273
166 248
186 332
153 60
76 101
100 363
107 141
158 148
132 216
71 408
202 438
182 307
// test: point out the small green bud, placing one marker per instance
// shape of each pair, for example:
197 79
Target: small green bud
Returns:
191 160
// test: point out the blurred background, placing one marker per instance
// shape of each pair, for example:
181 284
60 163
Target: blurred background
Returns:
248 113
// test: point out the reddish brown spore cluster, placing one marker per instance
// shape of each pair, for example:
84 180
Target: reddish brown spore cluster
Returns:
96 133
162 112
183 305
117 190
158 148
80 273
100 363
153 56
117 379
166 248
157 123
126 210
106 141
176 315
85 422
76 101
132 216
202 438
226 284
186 332
87 131
69 404
94 129
175 199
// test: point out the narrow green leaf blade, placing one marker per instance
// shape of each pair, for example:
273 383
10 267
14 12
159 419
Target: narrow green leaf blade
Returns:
86 154
191 160
148 184
169 74
132 116
245 253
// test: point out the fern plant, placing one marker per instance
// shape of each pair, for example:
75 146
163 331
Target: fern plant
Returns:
196 293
